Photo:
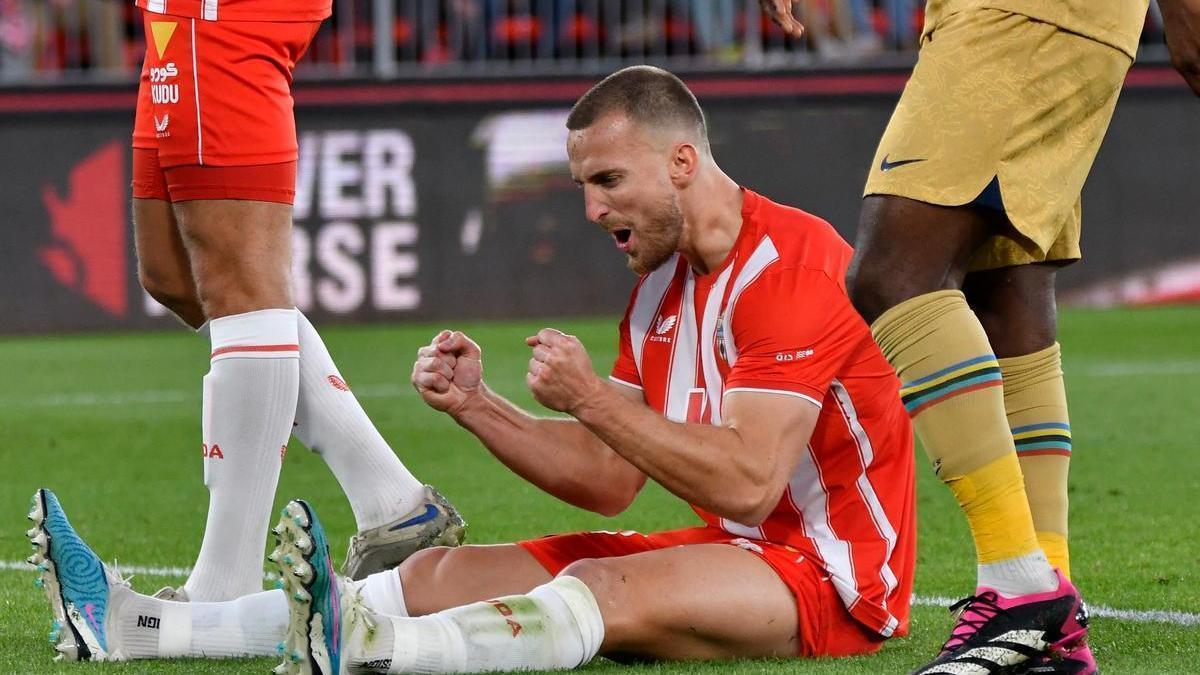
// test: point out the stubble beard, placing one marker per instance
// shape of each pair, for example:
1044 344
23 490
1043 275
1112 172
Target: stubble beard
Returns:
658 240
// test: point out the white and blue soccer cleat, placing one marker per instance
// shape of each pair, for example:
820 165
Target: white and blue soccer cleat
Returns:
78 585
325 615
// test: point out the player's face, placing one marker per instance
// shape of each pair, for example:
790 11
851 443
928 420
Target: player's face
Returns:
627 190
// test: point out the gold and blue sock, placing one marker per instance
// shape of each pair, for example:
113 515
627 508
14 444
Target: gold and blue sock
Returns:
952 386
1036 402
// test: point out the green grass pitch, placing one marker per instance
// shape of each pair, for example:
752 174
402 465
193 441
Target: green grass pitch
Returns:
112 424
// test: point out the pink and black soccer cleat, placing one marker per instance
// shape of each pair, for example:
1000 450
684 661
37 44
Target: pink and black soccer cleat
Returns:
995 634
1077 661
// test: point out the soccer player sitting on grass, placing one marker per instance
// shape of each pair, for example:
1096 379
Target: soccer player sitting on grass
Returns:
746 384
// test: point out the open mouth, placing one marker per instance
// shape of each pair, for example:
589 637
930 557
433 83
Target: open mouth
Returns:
622 235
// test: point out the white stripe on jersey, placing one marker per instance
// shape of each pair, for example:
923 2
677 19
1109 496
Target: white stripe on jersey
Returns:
764 254
708 339
156 6
681 378
811 500
210 10
734 527
646 305
866 455
627 384
196 94
780 392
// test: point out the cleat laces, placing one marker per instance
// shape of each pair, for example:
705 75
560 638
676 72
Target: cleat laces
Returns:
973 613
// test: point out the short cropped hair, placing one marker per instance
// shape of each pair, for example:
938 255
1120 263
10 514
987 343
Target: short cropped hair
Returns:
647 95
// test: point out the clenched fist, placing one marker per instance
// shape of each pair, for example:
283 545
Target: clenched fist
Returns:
448 371
780 12
560 372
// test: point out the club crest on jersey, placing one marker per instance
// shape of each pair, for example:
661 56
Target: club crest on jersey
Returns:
662 326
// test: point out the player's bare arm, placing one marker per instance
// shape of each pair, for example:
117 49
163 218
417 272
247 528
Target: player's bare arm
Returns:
737 471
560 456
780 12
1181 22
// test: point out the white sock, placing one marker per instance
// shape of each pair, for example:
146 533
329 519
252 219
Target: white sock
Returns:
383 593
147 628
249 404
330 421
556 625
1030 573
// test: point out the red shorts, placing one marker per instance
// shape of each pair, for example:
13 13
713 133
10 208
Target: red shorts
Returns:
217 94
825 628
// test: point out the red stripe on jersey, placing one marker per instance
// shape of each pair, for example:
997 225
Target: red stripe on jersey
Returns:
254 348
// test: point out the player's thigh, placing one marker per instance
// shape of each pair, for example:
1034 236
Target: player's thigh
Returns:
240 253
1016 306
907 248
704 601
438 578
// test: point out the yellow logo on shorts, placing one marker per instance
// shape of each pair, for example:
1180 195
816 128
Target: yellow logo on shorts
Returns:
162 30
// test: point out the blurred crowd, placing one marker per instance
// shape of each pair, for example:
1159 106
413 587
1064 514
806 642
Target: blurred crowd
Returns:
98 39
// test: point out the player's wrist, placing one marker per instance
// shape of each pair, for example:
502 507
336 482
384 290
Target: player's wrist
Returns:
473 402
588 407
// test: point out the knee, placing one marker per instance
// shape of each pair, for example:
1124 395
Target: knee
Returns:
230 292
425 571
173 291
612 589
1024 333
871 289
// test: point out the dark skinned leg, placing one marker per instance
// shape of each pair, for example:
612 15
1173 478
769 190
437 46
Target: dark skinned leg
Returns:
1016 307
907 248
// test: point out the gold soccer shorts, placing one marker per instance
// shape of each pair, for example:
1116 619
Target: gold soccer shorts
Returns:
1000 96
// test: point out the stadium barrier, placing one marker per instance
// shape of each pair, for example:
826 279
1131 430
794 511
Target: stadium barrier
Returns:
452 199
55 42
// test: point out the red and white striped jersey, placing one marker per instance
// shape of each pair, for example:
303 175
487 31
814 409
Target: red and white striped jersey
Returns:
242 10
775 318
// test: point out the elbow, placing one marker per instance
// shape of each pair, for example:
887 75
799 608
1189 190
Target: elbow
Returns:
607 498
752 516
755 504
614 502
610 510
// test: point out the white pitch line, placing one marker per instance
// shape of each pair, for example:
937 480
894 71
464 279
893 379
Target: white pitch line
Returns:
160 396
1137 615
22 566
1188 619
403 389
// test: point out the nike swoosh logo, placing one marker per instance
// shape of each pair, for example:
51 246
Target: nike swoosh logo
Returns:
430 513
885 165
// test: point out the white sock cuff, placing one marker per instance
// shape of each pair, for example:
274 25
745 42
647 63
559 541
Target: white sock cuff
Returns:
584 609
384 594
265 333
